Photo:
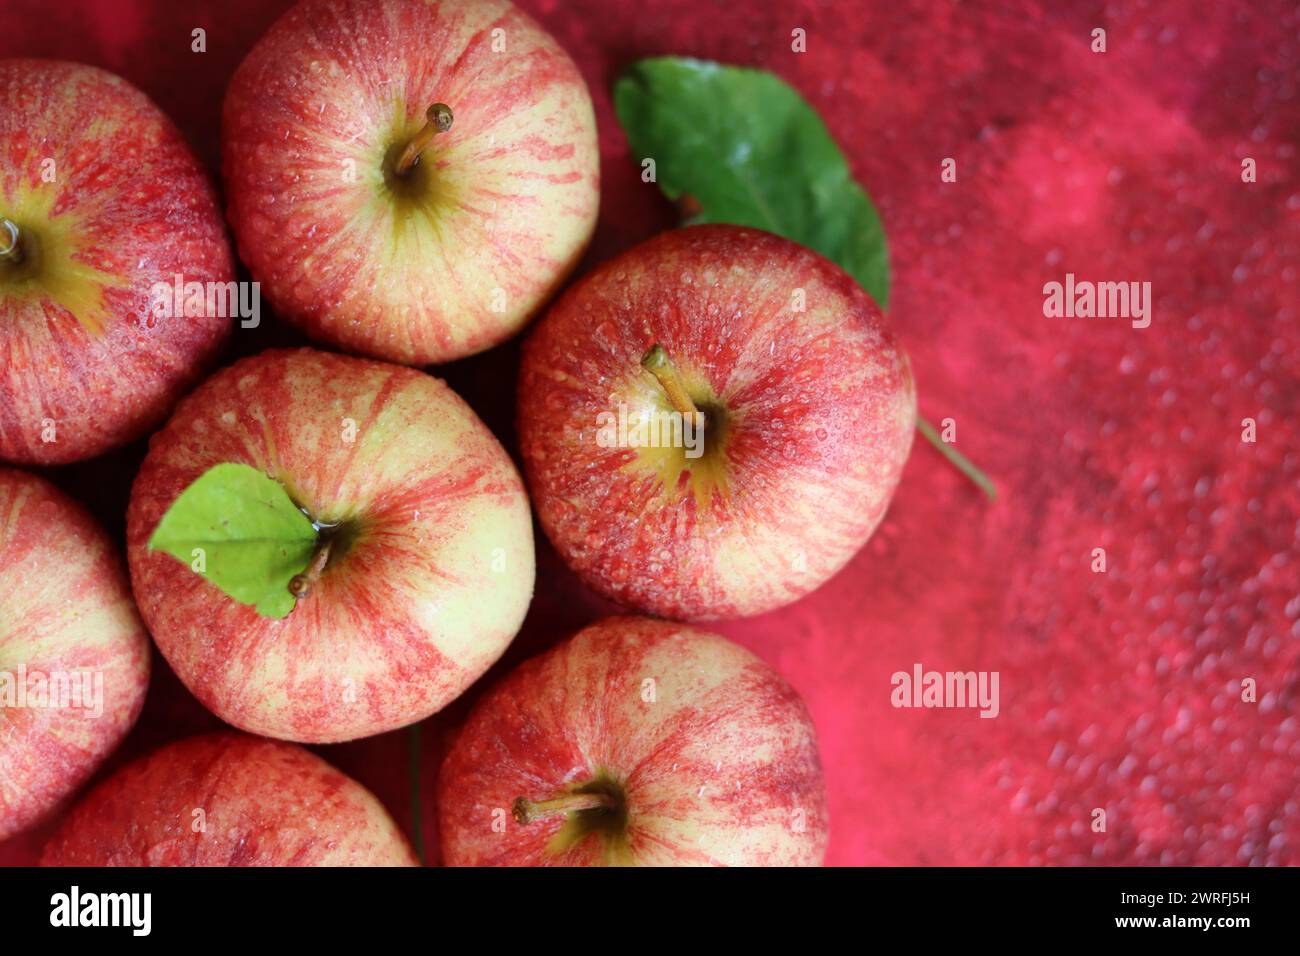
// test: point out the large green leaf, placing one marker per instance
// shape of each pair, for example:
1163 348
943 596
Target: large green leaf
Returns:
244 532
750 151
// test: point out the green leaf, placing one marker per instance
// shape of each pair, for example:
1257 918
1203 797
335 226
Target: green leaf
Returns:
752 152
251 537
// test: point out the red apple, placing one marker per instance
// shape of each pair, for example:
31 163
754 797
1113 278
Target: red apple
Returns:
413 255
429 568
74 657
636 742
100 200
808 411
228 799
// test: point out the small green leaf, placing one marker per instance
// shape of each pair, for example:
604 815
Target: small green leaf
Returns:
240 530
750 151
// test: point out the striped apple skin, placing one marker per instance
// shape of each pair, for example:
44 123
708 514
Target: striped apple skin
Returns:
820 412
424 600
105 185
513 186
64 608
716 752
228 799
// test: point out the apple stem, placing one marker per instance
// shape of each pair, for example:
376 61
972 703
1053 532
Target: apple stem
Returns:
439 119
11 249
959 461
300 585
657 363
526 811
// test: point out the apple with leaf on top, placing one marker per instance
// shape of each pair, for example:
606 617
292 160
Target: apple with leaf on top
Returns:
327 548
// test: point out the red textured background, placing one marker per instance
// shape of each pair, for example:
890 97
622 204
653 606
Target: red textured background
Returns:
1119 690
